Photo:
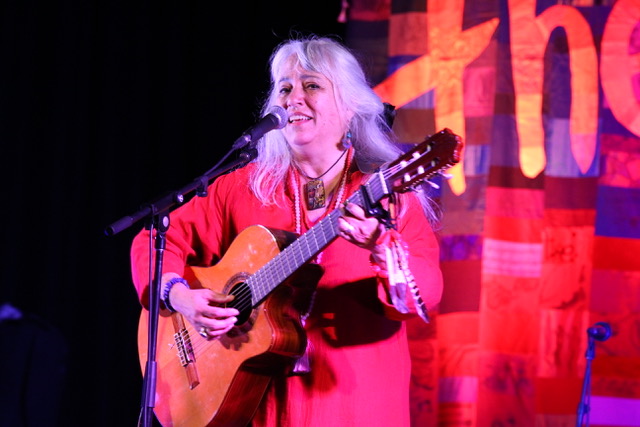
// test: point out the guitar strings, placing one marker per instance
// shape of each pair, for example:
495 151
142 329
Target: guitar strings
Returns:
243 299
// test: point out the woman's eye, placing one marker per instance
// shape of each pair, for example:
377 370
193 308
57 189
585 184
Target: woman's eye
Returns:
285 90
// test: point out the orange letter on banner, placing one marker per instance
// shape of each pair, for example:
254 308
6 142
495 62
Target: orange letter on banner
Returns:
617 67
441 69
529 38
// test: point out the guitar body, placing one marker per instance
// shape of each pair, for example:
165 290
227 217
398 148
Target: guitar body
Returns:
220 382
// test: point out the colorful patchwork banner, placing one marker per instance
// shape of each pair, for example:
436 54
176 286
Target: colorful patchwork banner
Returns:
541 230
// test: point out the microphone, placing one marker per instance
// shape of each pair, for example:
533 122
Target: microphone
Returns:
601 331
276 118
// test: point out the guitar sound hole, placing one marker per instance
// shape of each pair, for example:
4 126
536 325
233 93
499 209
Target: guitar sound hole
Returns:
241 302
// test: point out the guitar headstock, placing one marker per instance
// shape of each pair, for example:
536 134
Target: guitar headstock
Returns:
438 152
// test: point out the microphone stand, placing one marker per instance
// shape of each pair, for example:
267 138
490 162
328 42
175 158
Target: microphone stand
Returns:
585 397
156 214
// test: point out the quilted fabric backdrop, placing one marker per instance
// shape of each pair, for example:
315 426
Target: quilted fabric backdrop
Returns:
541 231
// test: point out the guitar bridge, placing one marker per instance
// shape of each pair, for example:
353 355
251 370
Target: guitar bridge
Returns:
184 346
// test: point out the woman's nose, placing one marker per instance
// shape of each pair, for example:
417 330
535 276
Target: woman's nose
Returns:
295 96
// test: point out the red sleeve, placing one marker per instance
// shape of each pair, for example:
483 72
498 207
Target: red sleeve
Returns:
195 237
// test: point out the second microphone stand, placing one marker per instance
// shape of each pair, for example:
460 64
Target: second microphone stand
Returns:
601 331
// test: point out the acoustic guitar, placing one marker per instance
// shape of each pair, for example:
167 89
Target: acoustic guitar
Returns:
221 382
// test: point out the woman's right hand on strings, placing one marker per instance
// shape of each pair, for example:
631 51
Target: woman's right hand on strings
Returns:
204 309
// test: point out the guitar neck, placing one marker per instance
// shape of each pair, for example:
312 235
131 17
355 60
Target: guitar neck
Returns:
298 252
437 152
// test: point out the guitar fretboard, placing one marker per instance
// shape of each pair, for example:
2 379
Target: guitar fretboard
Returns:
432 155
307 246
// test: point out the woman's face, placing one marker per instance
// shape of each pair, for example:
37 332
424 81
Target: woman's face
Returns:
314 114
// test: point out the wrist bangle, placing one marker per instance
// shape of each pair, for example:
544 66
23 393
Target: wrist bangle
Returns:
167 288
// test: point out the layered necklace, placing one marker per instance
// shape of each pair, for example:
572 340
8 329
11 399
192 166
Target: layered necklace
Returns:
314 189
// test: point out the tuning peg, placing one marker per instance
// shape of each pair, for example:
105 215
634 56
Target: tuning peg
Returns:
445 175
433 184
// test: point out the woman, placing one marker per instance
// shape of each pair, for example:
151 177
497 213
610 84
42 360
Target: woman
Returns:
356 370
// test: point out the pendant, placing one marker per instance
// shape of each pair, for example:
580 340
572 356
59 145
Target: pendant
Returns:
315 194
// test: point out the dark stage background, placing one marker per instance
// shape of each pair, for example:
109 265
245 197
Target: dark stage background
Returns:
103 107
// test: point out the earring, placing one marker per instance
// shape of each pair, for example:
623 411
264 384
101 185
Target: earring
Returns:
346 140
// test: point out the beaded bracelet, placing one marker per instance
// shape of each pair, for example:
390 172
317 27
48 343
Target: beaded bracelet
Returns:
167 289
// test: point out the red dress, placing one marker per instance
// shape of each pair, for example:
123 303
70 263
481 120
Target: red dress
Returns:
360 364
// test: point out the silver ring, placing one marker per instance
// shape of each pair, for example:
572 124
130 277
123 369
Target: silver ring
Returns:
203 332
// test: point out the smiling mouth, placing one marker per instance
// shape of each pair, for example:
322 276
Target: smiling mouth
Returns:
295 118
